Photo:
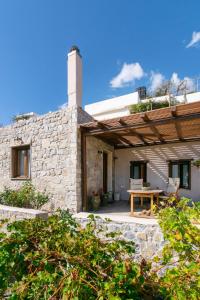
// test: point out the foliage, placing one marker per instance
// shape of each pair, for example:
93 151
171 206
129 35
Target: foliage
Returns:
58 259
150 105
196 163
140 107
146 184
26 197
179 222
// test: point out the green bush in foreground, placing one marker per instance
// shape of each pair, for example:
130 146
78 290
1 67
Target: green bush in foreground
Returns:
26 196
57 259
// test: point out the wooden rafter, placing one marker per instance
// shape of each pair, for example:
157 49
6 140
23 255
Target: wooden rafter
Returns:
119 137
122 122
122 139
138 135
185 118
157 122
167 142
176 124
101 125
152 127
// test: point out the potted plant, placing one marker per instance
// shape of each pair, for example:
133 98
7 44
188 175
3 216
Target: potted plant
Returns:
95 200
146 186
105 198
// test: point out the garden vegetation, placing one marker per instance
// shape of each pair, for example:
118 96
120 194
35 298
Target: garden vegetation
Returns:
58 259
26 196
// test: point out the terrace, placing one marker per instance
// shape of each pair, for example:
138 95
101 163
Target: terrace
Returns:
154 145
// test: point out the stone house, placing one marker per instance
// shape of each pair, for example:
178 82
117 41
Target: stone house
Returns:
73 152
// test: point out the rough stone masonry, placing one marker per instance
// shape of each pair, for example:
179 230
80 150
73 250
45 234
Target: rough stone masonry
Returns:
54 141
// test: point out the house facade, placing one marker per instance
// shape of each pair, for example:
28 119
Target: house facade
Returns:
72 153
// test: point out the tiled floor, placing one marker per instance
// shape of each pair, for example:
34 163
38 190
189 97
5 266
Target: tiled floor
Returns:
122 208
119 211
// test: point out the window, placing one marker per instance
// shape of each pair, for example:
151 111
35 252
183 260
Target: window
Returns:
21 162
181 169
138 170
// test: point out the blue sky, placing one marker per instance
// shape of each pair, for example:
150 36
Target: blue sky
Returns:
124 44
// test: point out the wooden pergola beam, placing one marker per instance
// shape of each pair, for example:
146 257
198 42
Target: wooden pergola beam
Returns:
118 136
167 142
173 111
156 122
152 127
101 125
122 122
176 124
138 135
124 140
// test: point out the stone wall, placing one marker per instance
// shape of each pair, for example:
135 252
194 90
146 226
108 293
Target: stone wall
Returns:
147 237
17 213
54 139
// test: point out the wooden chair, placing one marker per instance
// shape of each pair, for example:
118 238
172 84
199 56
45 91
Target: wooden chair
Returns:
172 188
136 184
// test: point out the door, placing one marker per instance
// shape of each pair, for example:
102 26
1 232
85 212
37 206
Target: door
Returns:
138 170
105 172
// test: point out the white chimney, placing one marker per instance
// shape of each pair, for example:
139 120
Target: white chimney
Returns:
74 77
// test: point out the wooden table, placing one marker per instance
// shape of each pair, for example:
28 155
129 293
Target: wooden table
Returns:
143 194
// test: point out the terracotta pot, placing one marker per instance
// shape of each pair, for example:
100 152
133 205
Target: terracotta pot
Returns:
96 202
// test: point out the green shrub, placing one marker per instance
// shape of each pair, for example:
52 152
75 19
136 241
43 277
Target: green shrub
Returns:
26 197
58 259
179 222
150 105
140 107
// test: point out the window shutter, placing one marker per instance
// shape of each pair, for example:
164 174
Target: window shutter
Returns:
14 163
26 163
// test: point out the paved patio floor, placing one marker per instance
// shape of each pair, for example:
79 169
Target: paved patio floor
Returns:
120 211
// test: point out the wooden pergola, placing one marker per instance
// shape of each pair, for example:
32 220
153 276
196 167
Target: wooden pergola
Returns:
180 123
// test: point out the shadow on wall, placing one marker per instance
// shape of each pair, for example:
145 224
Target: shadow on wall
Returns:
157 167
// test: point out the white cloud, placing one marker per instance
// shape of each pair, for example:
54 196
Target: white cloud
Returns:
156 80
175 79
190 84
128 74
187 81
195 39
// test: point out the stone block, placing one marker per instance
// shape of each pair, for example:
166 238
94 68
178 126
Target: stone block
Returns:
142 236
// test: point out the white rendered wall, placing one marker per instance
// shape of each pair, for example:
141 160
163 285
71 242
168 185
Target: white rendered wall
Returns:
74 69
112 108
113 114
157 167
119 106
193 97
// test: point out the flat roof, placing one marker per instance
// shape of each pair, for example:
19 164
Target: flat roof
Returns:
111 104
